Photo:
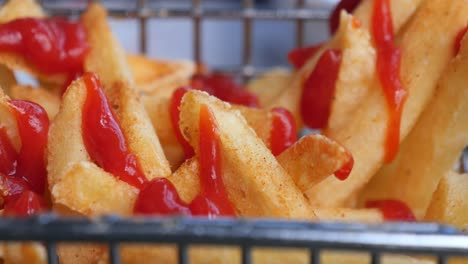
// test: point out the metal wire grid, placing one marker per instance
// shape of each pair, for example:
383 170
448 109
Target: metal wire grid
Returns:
422 238
435 240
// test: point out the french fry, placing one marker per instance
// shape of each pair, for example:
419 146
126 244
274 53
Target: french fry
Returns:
158 112
7 79
255 182
432 147
159 77
423 61
8 121
308 161
269 85
14 9
449 203
356 74
106 57
24 253
48 100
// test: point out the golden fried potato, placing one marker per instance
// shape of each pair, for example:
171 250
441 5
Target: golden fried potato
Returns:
432 147
427 47
14 9
7 79
159 77
449 203
356 74
256 183
349 215
8 121
308 161
74 181
270 84
41 96
106 57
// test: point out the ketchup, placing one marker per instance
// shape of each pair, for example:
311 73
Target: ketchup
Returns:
23 174
52 45
343 172
299 56
33 126
161 197
348 5
459 38
224 88
319 88
25 204
392 210
388 71
103 136
174 112
283 132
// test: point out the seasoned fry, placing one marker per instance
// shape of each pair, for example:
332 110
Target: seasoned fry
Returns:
437 139
423 61
269 85
308 161
247 164
106 57
449 203
159 77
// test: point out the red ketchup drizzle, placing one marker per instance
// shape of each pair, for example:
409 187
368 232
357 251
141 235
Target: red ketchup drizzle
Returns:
343 172
224 88
23 174
299 56
174 112
103 136
348 5
161 197
52 45
388 71
33 126
459 38
392 210
319 89
283 132
25 204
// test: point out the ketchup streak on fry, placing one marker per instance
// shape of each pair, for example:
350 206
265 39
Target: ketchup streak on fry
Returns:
388 71
23 174
103 136
392 210
319 88
283 132
52 45
161 197
299 56
458 40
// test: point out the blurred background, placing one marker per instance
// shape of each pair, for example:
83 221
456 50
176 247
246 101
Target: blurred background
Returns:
221 40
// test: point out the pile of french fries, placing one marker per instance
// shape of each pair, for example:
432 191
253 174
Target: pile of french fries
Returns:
297 184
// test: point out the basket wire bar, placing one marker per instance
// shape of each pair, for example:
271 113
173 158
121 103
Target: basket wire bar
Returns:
408 238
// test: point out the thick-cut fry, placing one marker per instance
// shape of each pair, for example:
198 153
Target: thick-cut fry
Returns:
24 253
256 183
427 47
449 203
159 77
48 100
432 147
74 181
158 112
269 85
14 9
8 121
106 57
356 75
308 161
349 215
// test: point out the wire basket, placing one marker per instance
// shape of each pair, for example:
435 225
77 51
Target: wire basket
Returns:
428 239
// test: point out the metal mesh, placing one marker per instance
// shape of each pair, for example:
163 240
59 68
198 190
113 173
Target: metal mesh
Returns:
435 240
